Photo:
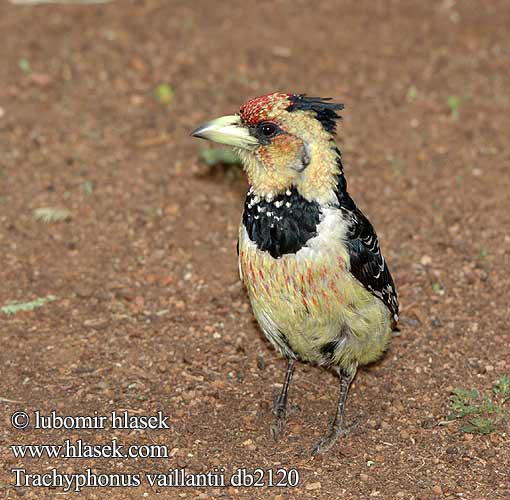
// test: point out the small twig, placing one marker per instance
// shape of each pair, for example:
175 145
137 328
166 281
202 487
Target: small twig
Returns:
129 410
5 400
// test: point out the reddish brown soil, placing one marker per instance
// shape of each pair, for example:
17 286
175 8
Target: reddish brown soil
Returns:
150 312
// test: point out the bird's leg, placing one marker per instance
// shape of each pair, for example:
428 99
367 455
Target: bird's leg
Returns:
338 427
280 405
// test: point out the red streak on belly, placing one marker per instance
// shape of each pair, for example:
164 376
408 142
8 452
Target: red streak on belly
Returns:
324 273
252 274
326 301
310 276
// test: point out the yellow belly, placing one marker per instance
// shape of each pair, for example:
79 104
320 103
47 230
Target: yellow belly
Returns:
309 300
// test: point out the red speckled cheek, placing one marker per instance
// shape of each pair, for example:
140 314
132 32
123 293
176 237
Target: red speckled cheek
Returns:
265 157
283 152
286 143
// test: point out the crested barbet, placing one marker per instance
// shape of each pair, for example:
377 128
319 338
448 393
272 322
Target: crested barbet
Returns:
318 284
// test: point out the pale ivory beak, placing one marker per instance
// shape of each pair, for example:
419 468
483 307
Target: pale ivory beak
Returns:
226 130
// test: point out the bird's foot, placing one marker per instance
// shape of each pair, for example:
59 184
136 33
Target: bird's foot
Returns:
277 428
280 412
329 440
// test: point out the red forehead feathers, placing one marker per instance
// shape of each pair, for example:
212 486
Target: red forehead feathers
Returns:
259 109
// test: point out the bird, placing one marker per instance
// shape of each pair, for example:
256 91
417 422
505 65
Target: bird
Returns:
319 286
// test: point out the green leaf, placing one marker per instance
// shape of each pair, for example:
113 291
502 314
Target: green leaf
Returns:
164 94
461 403
88 187
491 407
502 388
466 393
454 105
51 214
24 65
480 425
219 156
412 93
486 410
14 306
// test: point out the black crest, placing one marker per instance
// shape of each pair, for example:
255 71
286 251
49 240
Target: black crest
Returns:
325 111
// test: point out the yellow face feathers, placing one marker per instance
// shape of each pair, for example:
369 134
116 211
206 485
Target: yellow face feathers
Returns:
273 168
284 141
301 155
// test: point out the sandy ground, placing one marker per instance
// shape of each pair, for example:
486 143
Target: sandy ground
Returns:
149 313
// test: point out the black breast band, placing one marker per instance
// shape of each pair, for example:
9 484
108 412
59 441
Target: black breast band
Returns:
283 225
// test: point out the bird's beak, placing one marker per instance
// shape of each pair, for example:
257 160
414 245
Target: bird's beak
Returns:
226 130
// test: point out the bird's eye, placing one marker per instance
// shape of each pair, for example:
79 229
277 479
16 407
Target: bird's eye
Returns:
268 129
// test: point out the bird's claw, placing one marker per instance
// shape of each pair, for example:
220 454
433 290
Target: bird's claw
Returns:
279 409
276 429
326 442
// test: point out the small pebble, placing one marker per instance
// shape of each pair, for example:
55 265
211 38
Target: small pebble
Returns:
261 361
426 260
437 490
96 324
313 486
404 435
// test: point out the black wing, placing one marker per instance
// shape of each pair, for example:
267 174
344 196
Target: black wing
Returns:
367 263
